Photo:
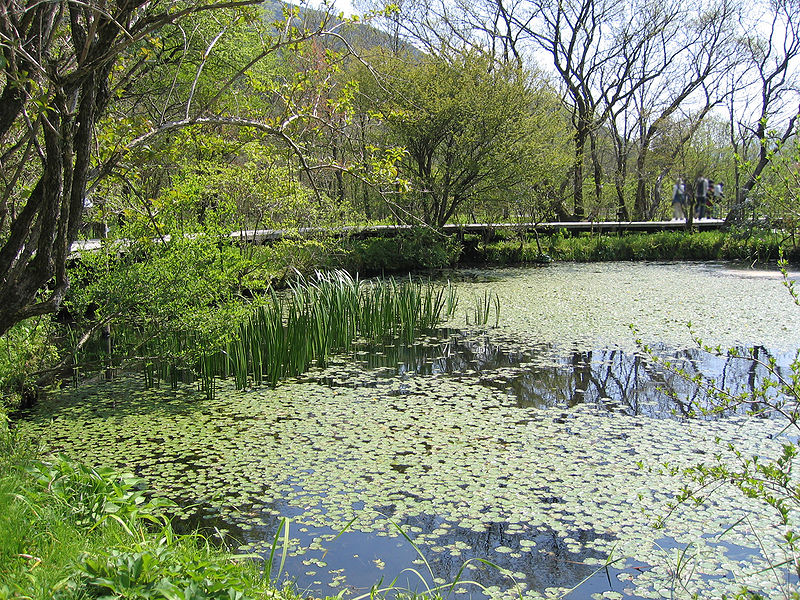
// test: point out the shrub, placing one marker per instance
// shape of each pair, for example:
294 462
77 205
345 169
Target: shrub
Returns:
25 349
666 245
417 249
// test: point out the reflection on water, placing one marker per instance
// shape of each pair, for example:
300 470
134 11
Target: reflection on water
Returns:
446 437
546 375
535 557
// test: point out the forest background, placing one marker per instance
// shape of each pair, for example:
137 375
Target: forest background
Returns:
162 127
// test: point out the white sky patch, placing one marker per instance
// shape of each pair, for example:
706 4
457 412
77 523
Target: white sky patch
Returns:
345 6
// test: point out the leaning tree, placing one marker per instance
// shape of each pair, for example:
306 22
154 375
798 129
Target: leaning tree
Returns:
63 63
56 69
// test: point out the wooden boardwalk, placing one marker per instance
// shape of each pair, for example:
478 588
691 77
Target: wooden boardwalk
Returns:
265 236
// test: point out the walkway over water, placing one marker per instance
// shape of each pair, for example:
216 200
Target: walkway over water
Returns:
263 236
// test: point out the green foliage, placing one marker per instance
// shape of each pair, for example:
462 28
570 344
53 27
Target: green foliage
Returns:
284 336
474 133
69 531
417 249
290 258
778 190
164 568
188 286
506 252
88 497
25 349
214 182
707 245
172 306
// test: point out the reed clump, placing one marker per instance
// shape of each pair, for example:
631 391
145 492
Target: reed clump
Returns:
290 332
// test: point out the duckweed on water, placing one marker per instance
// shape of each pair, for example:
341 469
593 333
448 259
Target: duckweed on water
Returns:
551 494
578 485
589 306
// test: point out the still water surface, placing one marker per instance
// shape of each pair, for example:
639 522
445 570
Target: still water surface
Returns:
538 445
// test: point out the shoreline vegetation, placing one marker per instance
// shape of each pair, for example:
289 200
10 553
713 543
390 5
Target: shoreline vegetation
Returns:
69 530
424 249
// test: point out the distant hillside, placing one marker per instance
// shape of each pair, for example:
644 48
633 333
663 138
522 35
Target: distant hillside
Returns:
360 35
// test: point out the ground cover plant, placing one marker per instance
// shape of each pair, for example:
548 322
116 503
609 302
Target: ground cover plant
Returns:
71 531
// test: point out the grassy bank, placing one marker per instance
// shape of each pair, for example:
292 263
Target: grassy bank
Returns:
708 245
70 531
425 249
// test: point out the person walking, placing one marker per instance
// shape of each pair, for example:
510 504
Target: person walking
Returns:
710 200
701 195
719 194
678 200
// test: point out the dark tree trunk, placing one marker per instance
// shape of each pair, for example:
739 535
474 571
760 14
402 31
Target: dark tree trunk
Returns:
598 171
640 204
577 183
736 214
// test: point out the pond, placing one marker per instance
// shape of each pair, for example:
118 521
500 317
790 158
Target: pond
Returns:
542 445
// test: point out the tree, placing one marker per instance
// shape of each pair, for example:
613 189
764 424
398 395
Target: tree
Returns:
613 57
772 45
582 43
63 65
468 130
685 70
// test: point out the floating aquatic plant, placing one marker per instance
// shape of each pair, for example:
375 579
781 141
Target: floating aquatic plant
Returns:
457 463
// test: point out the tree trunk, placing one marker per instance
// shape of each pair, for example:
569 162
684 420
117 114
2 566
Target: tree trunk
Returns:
736 213
640 200
33 259
577 182
598 171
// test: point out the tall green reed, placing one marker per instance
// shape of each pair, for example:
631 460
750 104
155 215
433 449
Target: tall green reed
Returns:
482 308
288 333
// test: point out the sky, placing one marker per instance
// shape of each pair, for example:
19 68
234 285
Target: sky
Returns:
345 6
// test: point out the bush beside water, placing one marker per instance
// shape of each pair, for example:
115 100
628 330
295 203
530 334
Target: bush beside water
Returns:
413 250
666 245
422 249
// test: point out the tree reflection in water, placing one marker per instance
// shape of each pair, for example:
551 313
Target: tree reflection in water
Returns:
610 379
